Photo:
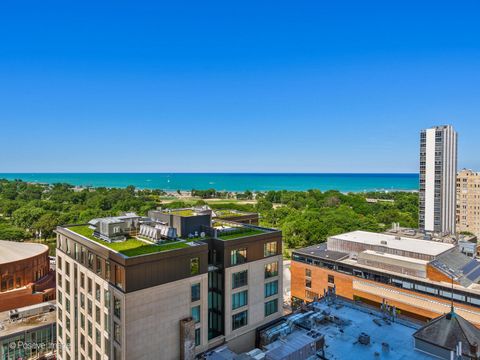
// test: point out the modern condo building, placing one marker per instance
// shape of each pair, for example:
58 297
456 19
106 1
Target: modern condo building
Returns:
438 169
168 286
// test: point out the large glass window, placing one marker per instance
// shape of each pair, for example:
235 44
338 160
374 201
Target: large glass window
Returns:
195 296
239 299
194 266
197 337
270 249
271 270
239 279
196 313
271 288
271 307
239 320
238 256
117 307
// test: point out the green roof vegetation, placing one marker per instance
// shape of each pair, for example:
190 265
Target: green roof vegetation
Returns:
130 247
243 232
228 213
183 212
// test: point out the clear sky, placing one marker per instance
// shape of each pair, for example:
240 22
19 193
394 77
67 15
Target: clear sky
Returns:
235 86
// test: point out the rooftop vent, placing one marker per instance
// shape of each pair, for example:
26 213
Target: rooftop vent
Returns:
383 242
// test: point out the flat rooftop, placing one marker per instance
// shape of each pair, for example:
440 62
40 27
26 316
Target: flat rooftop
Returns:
228 230
321 252
8 327
130 247
344 344
427 247
11 251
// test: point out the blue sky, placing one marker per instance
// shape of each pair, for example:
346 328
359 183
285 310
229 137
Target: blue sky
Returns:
250 86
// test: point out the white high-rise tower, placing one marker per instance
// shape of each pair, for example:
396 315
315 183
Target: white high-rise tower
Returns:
438 170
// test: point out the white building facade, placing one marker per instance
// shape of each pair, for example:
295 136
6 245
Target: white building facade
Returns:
438 169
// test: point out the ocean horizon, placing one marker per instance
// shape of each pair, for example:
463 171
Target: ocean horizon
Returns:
344 182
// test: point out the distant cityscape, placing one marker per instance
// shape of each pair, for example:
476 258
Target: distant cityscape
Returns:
202 283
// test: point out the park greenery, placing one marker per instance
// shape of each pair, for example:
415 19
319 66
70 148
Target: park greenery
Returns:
32 211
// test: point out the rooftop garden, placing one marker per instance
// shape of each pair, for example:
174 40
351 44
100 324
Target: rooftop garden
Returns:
183 212
241 232
131 246
229 213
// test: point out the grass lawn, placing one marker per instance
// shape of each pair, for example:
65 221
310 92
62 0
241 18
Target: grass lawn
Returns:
239 234
129 247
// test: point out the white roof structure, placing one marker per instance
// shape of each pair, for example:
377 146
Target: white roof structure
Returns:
428 247
11 251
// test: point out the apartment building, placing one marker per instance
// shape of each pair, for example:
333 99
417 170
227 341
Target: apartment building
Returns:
168 286
413 275
468 202
438 169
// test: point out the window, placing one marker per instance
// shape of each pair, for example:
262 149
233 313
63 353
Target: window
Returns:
331 279
82 301
239 279
117 307
271 270
195 295
99 266
271 307
98 338
89 307
106 297
90 260
82 321
197 337
89 328
67 287
67 268
308 273
106 322
239 299
82 280
107 270
239 320
270 249
271 288
238 256
116 332
97 315
59 262
67 304
90 286
59 281
196 313
97 292
194 266
308 283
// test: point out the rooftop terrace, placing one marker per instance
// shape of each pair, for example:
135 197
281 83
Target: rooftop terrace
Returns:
130 247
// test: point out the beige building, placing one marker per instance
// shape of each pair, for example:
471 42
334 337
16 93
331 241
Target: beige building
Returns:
122 295
468 202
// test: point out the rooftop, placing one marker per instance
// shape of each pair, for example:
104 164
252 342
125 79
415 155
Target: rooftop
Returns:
427 247
11 251
321 252
9 327
448 330
340 323
130 247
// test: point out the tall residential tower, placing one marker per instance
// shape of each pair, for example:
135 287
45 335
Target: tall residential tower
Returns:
438 169
468 202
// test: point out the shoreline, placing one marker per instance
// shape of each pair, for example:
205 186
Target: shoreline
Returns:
233 183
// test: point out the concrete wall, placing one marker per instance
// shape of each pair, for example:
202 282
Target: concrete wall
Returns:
152 319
